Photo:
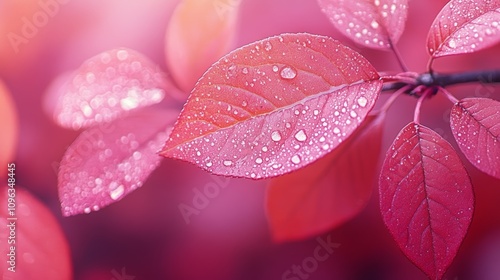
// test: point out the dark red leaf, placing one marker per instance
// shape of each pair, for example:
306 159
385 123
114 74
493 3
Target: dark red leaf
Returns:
374 24
107 86
464 26
426 198
328 192
274 106
475 123
41 249
108 161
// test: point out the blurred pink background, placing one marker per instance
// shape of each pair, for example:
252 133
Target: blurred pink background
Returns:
145 234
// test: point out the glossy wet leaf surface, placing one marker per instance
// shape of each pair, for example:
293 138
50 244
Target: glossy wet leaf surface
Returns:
372 23
108 161
426 198
464 26
274 106
107 86
475 123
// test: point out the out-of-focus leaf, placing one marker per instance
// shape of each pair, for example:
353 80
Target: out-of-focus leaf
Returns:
372 23
426 198
41 249
198 34
475 123
107 86
330 191
9 125
274 106
108 161
464 26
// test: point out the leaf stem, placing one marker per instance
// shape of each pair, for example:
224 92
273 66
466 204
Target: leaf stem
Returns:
448 94
398 56
388 103
428 92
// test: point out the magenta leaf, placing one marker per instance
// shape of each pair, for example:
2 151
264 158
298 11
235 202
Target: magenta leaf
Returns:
475 123
372 23
331 190
110 160
426 198
107 86
464 26
274 106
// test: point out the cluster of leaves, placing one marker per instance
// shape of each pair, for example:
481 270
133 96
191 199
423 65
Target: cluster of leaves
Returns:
298 108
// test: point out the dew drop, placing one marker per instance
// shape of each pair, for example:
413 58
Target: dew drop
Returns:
264 149
452 44
209 164
336 130
296 159
258 160
353 114
288 73
122 55
275 68
374 24
276 136
301 136
227 163
244 71
362 101
268 46
244 104
86 210
117 193
326 147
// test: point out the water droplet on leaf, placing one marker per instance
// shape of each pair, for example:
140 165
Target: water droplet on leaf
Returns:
288 73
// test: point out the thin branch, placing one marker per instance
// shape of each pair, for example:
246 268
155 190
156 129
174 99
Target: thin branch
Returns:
443 80
447 79
398 56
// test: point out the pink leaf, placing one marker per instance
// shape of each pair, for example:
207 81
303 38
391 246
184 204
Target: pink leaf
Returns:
198 34
107 86
464 26
426 198
331 190
375 24
108 161
274 106
475 123
41 249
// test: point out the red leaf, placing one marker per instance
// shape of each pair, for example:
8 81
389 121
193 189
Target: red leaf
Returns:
464 26
108 161
475 123
374 24
9 125
426 198
106 86
41 249
274 106
330 191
